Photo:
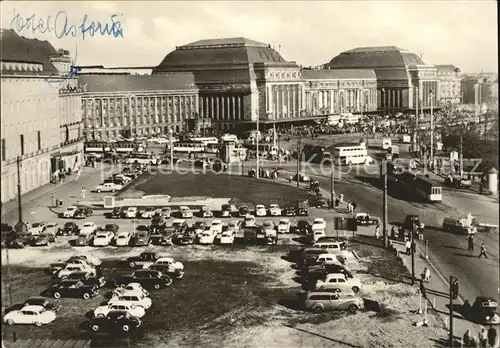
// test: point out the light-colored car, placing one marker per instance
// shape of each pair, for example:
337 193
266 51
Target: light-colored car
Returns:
88 228
103 238
249 221
274 210
166 212
37 228
205 212
260 210
170 266
75 267
129 287
132 297
329 259
102 311
108 187
216 226
132 212
234 225
284 226
318 224
208 236
186 212
52 228
227 237
338 280
162 141
37 315
88 258
70 211
317 234
148 213
123 238
330 301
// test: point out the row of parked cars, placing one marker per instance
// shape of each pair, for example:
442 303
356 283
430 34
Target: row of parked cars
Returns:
117 181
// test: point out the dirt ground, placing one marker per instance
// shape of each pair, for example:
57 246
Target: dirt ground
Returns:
239 296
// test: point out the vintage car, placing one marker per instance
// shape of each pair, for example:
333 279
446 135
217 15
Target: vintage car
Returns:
289 210
226 210
302 209
338 280
328 301
115 321
363 219
103 238
69 228
82 213
142 260
72 288
30 314
43 239
483 311
149 279
274 210
243 211
103 311
87 278
205 212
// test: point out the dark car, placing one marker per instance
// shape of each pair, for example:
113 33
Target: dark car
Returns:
20 241
411 221
158 221
483 311
72 288
303 227
367 220
43 239
180 227
161 237
111 228
83 240
302 209
42 301
142 238
289 210
82 213
149 279
186 238
243 211
69 228
115 321
313 273
87 279
143 258
166 270
116 213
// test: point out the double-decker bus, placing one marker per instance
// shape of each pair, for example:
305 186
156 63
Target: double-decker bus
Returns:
97 146
351 154
141 158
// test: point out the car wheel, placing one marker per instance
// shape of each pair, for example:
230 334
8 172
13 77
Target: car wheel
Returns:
132 264
125 328
318 309
95 328
355 289
37 323
10 322
168 281
352 308
156 286
86 295
98 191
57 295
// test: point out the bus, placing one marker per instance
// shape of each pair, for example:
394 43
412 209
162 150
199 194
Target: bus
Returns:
421 186
204 140
213 148
97 146
125 147
351 154
189 146
141 158
268 149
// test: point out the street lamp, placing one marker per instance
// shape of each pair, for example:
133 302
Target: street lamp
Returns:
170 133
20 226
431 95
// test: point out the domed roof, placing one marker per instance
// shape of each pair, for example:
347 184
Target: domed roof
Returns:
375 57
228 52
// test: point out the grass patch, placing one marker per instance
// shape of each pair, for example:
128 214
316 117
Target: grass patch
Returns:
242 190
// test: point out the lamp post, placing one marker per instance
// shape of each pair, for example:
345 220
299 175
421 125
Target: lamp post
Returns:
417 97
257 144
431 95
362 101
20 227
170 138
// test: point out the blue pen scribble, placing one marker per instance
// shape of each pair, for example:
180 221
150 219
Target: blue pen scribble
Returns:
59 26
59 79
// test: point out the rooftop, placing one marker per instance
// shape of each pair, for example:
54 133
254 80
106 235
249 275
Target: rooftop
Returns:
233 41
447 67
326 74
105 83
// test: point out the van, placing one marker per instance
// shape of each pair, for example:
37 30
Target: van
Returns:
324 301
460 226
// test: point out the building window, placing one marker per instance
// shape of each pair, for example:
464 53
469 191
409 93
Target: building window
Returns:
22 144
39 140
4 150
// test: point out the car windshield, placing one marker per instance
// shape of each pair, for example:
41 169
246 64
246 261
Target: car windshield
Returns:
88 224
70 208
122 236
101 236
283 222
52 224
37 224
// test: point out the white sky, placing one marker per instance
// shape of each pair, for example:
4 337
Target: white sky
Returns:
463 33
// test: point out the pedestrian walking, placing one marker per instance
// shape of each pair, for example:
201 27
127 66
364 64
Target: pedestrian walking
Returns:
377 232
290 178
471 243
454 289
483 338
422 289
466 338
492 336
354 205
408 247
427 274
341 198
483 251
337 202
393 232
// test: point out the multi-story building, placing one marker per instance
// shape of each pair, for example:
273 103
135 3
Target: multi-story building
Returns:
479 90
137 105
449 91
41 114
242 80
399 73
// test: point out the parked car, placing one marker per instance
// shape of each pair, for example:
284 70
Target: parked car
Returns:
161 237
249 221
260 210
37 228
82 213
148 213
43 302
132 213
170 267
116 213
142 238
143 260
205 212
36 315
243 211
72 288
20 241
69 212
207 237
284 226
318 224
69 228
301 178
75 267
52 228
185 212
103 238
166 212
312 273
111 228
226 210
123 238
158 222
303 227
217 226
483 311
87 278
88 259
339 280
317 234
274 210
234 226
327 301
102 311
149 279
227 237
411 220
199 227
289 210
302 209
108 187
115 321
364 219
120 290
88 228
43 239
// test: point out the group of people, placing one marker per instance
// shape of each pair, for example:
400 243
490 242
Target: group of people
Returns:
484 339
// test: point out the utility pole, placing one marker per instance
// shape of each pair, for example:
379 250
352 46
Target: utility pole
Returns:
416 123
461 154
171 150
412 249
384 220
20 223
299 157
432 129
279 149
257 142
451 312
331 186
